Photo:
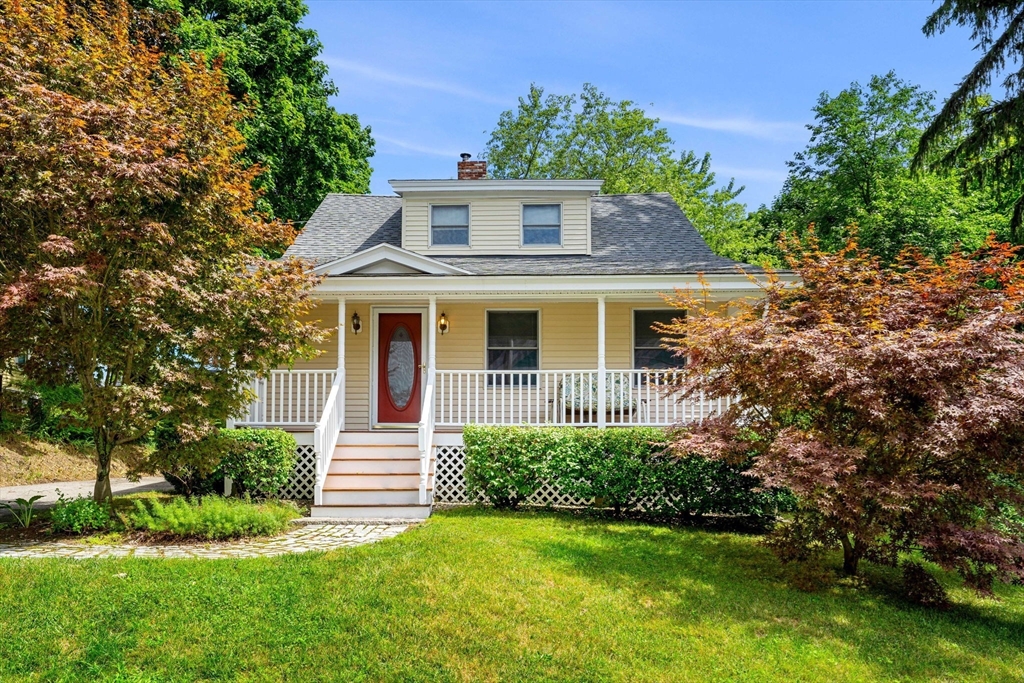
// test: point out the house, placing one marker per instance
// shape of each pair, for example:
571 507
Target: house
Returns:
480 301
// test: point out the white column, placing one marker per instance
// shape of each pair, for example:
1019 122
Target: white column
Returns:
432 347
342 327
602 381
342 333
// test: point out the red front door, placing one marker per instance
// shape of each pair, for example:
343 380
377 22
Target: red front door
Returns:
398 367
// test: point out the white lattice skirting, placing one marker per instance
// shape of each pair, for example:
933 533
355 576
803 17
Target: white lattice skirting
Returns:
450 482
300 484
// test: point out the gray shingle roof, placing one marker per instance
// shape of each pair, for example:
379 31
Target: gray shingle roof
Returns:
631 234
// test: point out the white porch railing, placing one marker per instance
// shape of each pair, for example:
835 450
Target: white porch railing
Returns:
565 397
325 435
426 438
289 398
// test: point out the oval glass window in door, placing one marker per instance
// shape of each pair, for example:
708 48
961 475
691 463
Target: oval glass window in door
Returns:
401 366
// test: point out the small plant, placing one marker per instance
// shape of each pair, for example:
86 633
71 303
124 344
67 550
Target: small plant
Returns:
78 515
921 587
211 518
24 511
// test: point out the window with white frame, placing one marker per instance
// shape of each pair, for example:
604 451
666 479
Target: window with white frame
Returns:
449 225
648 352
513 343
542 224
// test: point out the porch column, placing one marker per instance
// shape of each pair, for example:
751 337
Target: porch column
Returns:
432 348
602 382
342 328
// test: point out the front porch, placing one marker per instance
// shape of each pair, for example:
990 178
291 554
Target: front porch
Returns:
401 377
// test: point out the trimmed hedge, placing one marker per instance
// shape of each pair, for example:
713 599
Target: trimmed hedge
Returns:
624 468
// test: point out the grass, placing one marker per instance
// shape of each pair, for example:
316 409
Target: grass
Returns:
481 595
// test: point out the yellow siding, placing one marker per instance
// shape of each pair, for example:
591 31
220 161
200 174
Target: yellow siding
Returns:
325 314
568 342
357 370
495 225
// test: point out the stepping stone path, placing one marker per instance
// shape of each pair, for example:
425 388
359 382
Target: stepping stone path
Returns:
299 540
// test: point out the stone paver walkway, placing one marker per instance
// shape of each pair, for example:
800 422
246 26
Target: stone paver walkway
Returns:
301 539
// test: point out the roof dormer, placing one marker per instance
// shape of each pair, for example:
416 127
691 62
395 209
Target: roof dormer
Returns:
478 215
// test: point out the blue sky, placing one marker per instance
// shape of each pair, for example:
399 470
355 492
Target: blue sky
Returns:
737 79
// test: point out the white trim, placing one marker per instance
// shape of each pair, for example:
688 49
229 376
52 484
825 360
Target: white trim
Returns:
561 225
469 226
375 312
493 185
387 252
512 286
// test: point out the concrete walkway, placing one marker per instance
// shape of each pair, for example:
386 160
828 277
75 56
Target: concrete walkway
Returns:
74 489
302 539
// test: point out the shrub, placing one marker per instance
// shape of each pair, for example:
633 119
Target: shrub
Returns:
922 588
55 413
211 518
262 461
190 466
622 468
507 464
79 515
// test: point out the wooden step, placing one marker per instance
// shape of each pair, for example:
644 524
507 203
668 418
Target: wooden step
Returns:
408 437
403 496
375 466
356 512
374 482
377 452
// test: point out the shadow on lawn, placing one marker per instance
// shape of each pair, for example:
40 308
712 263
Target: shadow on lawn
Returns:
725 580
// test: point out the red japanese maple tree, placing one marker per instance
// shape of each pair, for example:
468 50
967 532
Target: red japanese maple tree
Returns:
889 400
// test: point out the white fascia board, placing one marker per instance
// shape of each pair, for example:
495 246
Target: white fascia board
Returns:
388 252
473 186
556 286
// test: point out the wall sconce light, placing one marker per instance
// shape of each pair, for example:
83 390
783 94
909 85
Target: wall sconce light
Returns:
357 324
442 324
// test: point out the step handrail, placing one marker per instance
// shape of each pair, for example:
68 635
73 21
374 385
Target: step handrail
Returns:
426 437
326 432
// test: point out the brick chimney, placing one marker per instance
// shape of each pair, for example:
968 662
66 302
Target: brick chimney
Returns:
472 170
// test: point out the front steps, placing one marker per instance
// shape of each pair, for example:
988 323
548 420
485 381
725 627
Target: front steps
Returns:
375 475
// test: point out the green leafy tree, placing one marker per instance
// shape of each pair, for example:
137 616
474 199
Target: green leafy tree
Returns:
856 170
972 132
129 227
592 136
305 147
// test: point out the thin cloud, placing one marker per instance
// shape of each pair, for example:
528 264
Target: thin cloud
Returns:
768 175
374 74
776 131
419 149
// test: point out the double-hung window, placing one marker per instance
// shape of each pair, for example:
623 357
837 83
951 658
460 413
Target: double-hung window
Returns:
647 343
449 225
542 224
513 344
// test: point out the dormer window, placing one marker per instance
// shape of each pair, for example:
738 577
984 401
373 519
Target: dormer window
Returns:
449 225
542 224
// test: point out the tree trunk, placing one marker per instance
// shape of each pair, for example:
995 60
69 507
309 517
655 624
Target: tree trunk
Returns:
851 555
102 493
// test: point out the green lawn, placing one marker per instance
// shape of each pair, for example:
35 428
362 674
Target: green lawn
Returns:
479 595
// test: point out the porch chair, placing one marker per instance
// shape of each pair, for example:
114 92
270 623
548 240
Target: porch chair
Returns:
579 397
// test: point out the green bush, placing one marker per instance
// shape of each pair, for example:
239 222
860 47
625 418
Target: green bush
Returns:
211 518
624 468
55 413
79 515
192 467
507 465
262 462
